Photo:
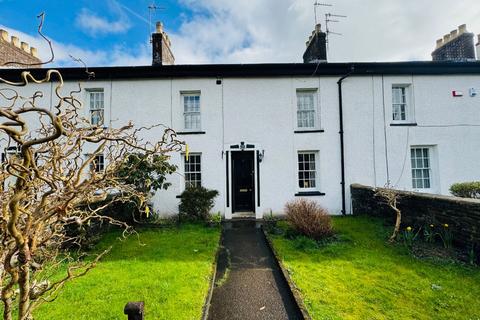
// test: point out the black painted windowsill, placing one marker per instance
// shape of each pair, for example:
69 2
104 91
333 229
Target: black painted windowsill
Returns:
309 194
184 133
308 131
403 124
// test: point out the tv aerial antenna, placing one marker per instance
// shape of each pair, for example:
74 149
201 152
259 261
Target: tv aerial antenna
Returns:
152 10
331 18
319 4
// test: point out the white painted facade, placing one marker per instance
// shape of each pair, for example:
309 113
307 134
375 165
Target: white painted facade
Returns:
262 112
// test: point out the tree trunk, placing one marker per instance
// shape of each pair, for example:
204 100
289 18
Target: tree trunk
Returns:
24 283
7 309
397 225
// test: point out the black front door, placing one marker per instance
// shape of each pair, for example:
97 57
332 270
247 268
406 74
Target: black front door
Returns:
243 181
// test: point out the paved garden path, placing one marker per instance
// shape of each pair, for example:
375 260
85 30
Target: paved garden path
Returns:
249 284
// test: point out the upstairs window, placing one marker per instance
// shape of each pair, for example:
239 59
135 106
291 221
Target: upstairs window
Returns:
306 109
191 111
193 171
307 171
421 168
96 106
400 103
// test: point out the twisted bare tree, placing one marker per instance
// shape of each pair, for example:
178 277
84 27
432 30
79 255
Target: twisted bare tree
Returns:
50 177
391 197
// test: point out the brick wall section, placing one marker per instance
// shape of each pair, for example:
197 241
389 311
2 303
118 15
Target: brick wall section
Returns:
418 209
9 52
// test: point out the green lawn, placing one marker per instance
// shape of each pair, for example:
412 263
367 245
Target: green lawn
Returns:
363 277
169 269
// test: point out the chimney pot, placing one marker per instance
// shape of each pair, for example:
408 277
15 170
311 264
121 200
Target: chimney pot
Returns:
307 43
34 52
159 27
446 38
25 47
453 34
439 43
478 39
16 41
318 28
462 29
3 35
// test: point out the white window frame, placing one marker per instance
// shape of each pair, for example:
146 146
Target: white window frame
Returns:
98 163
189 171
316 120
93 108
186 113
316 170
419 173
408 103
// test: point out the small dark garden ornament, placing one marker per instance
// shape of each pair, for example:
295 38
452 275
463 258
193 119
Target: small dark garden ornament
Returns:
135 310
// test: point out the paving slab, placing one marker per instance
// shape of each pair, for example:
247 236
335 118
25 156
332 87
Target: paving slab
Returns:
249 284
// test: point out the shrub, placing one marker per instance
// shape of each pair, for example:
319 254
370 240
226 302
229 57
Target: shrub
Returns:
196 203
309 219
466 189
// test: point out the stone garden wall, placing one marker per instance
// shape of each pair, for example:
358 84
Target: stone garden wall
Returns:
420 209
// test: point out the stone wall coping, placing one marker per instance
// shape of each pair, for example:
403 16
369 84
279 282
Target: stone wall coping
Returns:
430 196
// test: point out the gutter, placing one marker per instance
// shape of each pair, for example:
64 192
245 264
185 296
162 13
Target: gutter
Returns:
342 142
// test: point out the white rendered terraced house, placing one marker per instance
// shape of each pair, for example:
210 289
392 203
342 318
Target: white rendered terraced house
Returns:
264 134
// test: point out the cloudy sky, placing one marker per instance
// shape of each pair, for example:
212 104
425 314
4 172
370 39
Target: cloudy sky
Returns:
116 32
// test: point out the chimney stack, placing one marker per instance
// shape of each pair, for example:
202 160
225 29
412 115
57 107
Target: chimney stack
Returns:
458 45
161 47
316 47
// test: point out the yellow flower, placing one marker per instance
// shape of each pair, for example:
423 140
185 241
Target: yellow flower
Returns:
409 229
432 226
445 225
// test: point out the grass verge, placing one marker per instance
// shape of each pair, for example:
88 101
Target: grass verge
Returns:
360 276
168 268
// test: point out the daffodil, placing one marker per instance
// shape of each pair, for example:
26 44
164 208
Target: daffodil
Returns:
445 225
409 229
432 226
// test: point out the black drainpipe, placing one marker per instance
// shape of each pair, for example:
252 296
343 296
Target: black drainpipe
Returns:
342 143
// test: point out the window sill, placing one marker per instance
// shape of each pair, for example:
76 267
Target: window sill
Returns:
308 131
309 194
184 133
406 124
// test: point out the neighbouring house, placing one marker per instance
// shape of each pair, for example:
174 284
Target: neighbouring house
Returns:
15 53
264 134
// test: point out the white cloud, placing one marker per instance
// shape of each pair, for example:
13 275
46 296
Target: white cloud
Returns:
232 31
94 25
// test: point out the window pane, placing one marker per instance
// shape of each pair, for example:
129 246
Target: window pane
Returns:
399 103
420 161
306 109
193 175
306 170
